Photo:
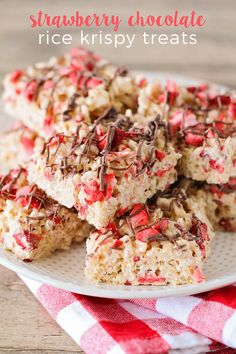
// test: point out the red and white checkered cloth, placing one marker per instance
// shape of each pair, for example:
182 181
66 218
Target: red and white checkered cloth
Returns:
188 324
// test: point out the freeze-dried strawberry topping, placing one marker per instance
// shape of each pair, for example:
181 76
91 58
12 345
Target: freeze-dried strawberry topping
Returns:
152 233
15 76
27 240
151 279
139 216
117 244
93 82
30 196
142 83
193 139
232 110
48 84
216 190
48 125
30 90
216 166
136 258
160 155
92 189
226 224
56 139
175 123
146 234
121 212
198 275
162 172
28 144
113 228
172 91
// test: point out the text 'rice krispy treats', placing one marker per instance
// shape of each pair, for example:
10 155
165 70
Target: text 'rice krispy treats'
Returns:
54 97
16 147
106 166
162 242
32 225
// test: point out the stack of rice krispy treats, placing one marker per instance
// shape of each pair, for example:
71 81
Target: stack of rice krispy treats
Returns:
143 171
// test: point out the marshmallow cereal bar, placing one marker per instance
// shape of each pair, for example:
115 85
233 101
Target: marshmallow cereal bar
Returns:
54 97
32 225
164 241
16 147
106 166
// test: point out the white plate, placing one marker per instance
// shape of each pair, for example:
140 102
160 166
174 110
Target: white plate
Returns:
65 269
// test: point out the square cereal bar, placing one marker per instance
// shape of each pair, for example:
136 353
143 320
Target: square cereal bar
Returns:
106 166
54 97
164 241
32 225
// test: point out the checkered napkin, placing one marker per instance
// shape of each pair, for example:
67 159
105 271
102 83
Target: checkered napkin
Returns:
188 325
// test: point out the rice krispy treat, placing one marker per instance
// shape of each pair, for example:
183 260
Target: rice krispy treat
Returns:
163 242
54 97
202 125
221 205
106 166
16 147
32 225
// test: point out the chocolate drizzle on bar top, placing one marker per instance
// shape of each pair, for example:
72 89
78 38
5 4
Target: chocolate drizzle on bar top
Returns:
176 196
116 125
34 197
87 69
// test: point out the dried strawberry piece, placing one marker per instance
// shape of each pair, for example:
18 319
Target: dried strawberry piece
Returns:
76 64
117 244
92 189
160 155
175 123
162 172
216 166
48 125
198 275
57 139
93 82
146 234
193 139
48 175
127 282
119 136
15 76
109 181
226 224
217 100
211 134
232 183
28 144
23 197
171 88
30 90
113 228
151 279
56 219
232 110
216 190
136 258
27 240
121 212
48 84
139 216
162 225
142 83
82 210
